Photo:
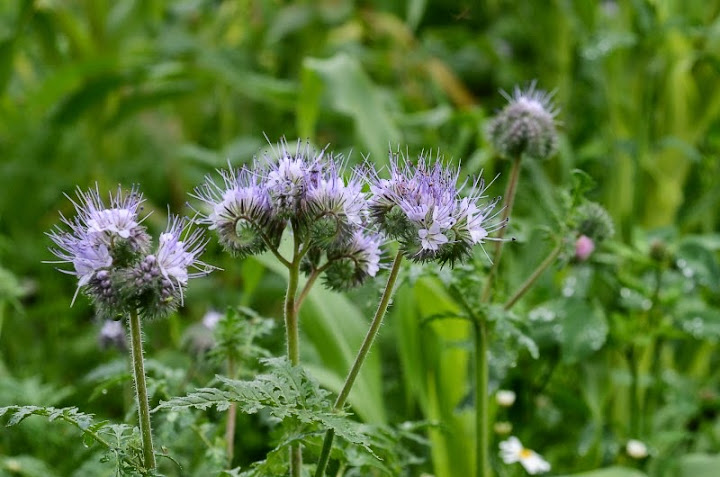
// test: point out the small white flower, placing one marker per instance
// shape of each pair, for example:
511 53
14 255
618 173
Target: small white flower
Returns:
505 397
636 449
512 451
432 238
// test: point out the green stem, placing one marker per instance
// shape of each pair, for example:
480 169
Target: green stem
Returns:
293 337
533 278
482 412
508 203
231 417
634 404
141 390
360 359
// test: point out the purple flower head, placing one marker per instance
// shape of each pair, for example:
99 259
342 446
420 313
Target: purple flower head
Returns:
526 125
420 206
112 334
288 176
117 226
157 284
353 264
334 208
99 239
109 251
240 211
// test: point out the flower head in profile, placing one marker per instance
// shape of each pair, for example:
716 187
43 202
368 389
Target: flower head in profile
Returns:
157 283
421 206
109 250
512 450
240 211
526 125
352 264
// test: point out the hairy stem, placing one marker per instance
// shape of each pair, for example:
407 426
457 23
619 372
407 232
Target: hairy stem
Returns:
482 411
533 277
293 337
306 289
360 359
141 390
509 201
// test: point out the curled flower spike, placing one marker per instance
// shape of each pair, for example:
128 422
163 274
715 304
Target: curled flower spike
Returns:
420 206
157 284
526 125
333 208
353 264
512 450
240 211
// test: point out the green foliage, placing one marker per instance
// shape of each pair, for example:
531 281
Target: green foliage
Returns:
120 442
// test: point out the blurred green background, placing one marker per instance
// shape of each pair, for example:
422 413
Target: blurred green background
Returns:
161 93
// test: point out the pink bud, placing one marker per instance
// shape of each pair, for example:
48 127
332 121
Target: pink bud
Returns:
584 246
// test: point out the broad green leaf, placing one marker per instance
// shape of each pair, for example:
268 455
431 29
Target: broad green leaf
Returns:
349 91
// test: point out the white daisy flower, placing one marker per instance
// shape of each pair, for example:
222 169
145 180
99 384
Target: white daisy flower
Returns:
512 451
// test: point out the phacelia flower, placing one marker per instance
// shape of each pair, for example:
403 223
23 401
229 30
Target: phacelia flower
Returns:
112 334
109 249
420 206
636 449
240 211
288 175
584 247
512 450
333 208
505 397
526 125
354 263
157 283
300 189
594 222
100 239
211 319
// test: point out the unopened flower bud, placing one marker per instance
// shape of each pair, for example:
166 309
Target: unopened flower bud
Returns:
595 222
526 126
584 247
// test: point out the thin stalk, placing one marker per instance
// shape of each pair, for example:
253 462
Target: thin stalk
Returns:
509 201
360 359
293 337
634 404
482 411
141 390
533 278
231 417
306 289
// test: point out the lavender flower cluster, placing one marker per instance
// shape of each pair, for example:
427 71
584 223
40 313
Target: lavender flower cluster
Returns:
114 261
338 225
